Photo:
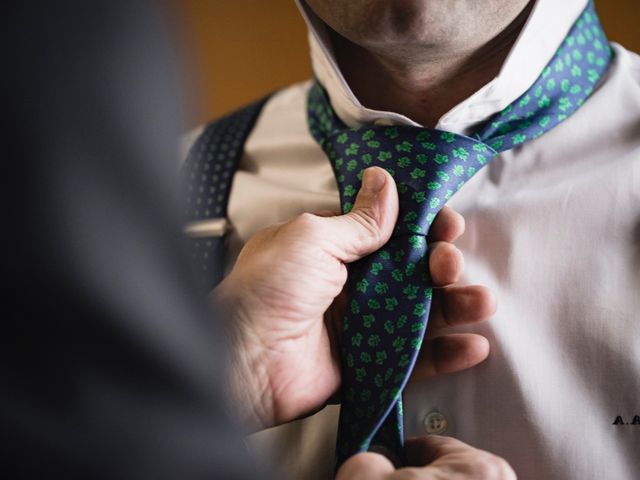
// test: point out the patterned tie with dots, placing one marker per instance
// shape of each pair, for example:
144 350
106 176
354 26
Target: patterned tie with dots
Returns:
390 290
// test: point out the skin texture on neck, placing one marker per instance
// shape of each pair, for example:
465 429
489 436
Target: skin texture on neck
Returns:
421 58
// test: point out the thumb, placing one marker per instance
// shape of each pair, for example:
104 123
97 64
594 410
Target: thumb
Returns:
371 221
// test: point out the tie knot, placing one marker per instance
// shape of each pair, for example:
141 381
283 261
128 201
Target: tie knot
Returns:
429 166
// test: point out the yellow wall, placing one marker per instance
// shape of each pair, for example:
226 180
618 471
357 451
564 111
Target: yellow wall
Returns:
242 49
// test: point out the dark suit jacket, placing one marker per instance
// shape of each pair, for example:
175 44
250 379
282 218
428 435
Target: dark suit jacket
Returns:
111 364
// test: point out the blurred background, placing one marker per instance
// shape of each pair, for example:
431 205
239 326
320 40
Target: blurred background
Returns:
239 50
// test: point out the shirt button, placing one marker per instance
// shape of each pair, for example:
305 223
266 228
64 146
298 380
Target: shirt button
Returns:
435 423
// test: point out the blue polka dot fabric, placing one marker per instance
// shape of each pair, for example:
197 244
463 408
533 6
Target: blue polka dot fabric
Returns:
207 174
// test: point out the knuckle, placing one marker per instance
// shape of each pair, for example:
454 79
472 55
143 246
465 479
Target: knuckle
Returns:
306 226
367 219
492 467
409 473
505 470
306 221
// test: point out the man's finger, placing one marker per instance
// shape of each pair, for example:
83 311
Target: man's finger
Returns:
446 263
366 466
460 305
447 457
449 353
421 451
447 226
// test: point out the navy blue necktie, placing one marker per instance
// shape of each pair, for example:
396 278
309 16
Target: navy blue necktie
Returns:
390 290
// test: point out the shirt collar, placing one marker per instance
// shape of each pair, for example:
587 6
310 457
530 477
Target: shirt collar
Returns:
544 31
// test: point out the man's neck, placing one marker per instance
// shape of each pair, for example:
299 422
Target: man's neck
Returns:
427 82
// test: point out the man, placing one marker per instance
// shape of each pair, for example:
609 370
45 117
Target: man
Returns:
111 366
283 362
552 225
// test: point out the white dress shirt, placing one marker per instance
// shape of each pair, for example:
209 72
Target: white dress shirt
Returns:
553 227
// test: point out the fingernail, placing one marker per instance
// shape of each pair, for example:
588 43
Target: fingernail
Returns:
373 180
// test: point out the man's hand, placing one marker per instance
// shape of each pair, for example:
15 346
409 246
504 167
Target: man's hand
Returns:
285 304
432 458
